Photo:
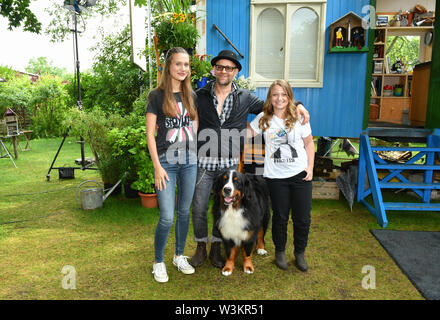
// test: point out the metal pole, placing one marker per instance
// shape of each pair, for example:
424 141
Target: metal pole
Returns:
78 79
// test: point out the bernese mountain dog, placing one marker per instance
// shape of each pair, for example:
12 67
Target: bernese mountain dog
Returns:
241 213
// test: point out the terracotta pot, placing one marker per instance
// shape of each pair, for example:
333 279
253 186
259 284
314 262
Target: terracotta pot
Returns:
149 200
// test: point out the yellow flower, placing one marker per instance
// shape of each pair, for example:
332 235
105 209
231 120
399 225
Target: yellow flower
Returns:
181 15
182 19
175 15
171 20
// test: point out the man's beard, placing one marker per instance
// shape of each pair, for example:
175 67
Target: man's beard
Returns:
224 83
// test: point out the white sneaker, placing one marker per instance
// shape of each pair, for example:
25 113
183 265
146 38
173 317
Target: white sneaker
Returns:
182 264
160 272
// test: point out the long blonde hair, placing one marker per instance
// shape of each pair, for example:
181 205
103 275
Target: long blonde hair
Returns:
291 115
169 103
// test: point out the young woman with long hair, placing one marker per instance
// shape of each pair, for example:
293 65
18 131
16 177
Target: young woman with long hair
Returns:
171 109
288 170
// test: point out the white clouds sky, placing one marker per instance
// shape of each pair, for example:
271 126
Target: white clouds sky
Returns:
17 46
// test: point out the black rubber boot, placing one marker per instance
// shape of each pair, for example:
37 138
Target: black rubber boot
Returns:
216 256
300 262
200 256
280 260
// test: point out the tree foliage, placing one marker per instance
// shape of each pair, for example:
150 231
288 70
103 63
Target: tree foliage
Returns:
114 83
18 13
61 20
404 47
41 66
16 93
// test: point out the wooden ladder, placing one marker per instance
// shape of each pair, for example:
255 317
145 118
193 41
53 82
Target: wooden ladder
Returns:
370 162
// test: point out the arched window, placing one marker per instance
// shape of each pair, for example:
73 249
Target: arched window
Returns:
303 44
270 40
287 42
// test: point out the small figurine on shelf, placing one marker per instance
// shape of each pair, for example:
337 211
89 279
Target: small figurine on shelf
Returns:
397 66
357 39
339 38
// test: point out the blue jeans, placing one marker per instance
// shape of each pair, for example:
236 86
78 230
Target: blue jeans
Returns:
183 174
205 180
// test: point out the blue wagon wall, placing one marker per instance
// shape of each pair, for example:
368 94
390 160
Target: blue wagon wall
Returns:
337 108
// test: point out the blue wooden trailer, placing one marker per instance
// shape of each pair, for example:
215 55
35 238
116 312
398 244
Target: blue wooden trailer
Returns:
291 39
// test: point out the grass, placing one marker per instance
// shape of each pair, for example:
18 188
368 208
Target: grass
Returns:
43 229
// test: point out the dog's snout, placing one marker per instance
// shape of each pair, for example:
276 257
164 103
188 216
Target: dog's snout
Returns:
227 190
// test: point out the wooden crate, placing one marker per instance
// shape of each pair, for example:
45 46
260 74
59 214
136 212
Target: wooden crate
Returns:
325 190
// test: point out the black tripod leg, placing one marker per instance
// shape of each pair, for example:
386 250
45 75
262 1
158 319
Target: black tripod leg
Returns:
59 149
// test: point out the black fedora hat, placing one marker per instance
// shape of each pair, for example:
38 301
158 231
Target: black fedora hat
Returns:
227 54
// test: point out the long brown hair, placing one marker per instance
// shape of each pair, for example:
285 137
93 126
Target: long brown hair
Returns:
169 103
291 115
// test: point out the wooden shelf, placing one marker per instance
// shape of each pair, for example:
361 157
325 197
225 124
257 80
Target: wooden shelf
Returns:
395 97
390 74
421 28
391 108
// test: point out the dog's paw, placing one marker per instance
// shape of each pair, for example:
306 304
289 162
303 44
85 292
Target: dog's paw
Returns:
226 273
248 271
261 252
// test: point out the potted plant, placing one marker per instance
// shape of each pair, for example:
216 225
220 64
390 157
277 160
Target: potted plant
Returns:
245 83
145 181
124 143
201 70
176 29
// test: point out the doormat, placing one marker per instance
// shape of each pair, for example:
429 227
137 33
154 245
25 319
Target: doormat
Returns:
417 254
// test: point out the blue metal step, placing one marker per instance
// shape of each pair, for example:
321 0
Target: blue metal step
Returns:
415 149
393 166
412 206
409 185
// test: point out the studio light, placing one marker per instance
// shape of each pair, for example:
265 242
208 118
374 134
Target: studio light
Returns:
78 5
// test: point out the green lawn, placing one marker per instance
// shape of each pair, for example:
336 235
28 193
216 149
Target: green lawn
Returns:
43 229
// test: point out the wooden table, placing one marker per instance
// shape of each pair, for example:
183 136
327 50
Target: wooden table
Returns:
27 135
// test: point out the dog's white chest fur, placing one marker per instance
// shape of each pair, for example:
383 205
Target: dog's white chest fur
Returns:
232 225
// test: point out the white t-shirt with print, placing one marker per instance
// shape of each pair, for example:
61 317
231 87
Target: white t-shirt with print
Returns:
285 155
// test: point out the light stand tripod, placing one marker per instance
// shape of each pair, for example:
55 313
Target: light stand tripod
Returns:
68 172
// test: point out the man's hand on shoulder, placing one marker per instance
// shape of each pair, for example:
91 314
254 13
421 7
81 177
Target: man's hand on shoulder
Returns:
304 113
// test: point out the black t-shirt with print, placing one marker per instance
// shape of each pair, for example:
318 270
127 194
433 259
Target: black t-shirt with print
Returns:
173 132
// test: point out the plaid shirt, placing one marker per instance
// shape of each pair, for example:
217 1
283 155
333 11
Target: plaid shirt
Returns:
211 163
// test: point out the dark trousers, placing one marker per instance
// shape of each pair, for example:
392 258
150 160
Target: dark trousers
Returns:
291 194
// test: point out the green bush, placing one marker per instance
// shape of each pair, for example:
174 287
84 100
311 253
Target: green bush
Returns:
49 107
16 93
94 126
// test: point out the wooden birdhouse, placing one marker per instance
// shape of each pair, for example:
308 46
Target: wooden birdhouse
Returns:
11 121
347 34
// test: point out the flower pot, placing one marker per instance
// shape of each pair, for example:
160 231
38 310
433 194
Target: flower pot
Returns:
130 193
202 82
148 200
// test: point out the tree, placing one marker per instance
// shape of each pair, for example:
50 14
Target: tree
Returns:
41 66
16 93
18 12
114 83
58 28
404 47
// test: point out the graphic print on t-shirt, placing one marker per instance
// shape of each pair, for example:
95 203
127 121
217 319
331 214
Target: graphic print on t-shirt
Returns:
284 152
180 127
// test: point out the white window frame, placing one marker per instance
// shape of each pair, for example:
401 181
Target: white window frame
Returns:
287 8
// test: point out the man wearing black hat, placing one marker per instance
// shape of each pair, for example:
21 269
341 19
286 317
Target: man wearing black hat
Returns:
223 109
